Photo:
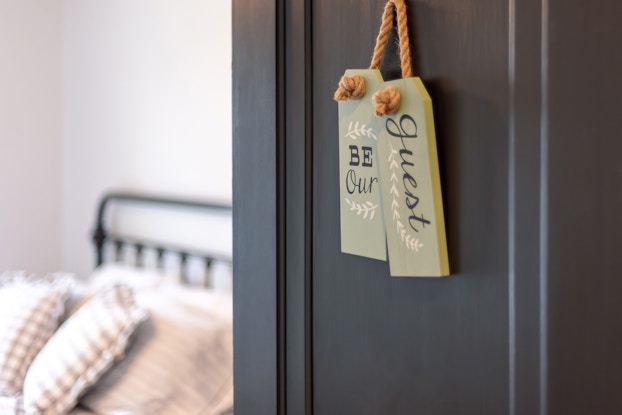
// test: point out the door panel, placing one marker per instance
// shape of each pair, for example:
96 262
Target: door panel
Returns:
584 87
405 345
526 100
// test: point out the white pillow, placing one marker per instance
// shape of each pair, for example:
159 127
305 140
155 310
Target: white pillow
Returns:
29 314
138 278
181 361
12 405
111 273
83 348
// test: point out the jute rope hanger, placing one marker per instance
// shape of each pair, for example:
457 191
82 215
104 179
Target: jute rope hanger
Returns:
387 101
399 7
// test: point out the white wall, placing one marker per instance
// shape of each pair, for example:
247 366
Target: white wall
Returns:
147 106
30 135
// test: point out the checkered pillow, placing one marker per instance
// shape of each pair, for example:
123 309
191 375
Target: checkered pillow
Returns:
82 349
29 315
11 405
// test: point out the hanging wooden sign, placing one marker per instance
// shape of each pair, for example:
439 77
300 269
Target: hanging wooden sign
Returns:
410 182
362 221
409 174
389 164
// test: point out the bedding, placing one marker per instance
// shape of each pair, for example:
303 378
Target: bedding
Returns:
81 350
178 359
180 362
126 340
29 314
13 405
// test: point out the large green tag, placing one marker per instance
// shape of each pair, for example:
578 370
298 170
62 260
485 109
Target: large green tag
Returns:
410 183
362 223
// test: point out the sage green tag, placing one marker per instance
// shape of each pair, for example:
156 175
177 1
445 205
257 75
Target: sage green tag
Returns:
362 222
410 183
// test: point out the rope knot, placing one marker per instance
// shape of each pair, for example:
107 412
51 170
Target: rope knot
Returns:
350 87
387 102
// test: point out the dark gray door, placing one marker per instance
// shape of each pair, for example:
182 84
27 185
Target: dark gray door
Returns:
527 101
385 345
526 97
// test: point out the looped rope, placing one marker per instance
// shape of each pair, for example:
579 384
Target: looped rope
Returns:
387 102
399 7
350 87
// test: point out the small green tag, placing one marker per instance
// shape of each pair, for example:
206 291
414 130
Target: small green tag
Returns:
410 183
362 222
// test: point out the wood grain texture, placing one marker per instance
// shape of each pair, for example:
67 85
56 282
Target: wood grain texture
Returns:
525 67
529 322
585 202
398 346
298 384
254 206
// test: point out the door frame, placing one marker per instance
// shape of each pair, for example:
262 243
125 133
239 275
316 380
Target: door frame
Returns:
272 206
256 207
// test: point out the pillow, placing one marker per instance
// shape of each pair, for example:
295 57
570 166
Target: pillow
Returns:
138 278
29 314
12 405
82 349
181 361
111 273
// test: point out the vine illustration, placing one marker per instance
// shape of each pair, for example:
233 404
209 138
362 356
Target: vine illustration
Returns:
358 131
366 208
411 243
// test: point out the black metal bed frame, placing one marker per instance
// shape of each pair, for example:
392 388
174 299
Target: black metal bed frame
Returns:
101 235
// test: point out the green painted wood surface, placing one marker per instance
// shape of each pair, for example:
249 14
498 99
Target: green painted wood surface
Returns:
362 224
410 185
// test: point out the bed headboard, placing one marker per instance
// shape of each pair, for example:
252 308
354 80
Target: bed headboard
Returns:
103 236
